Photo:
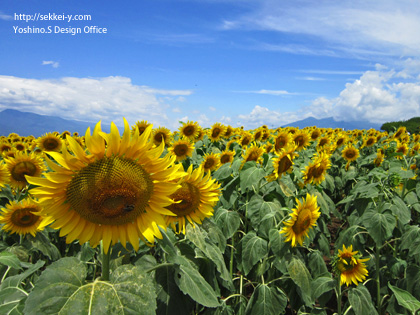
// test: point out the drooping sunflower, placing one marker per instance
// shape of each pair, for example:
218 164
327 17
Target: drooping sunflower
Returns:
49 142
216 132
350 266
303 218
227 156
4 175
195 200
282 139
181 148
252 153
115 190
316 170
23 217
162 135
23 164
284 161
301 138
190 130
211 162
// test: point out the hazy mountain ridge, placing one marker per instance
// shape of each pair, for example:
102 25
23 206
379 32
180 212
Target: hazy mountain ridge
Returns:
25 124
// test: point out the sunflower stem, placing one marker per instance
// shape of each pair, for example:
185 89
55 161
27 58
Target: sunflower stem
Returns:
378 282
338 296
105 263
231 257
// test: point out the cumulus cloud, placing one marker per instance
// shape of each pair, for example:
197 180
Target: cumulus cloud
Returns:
54 64
378 96
356 27
89 99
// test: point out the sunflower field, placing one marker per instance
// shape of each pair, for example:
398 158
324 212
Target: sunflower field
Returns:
219 220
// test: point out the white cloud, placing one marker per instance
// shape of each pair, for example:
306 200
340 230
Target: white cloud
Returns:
54 64
263 116
176 110
311 78
268 92
5 17
213 109
88 99
359 27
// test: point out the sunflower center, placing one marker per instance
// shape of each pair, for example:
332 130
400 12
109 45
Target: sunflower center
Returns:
216 132
187 200
110 191
323 142
181 149
280 143
345 264
21 169
299 140
225 158
318 171
253 156
188 131
284 164
350 154
303 221
209 163
24 217
50 144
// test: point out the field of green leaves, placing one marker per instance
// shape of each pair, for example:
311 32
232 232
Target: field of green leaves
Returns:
215 221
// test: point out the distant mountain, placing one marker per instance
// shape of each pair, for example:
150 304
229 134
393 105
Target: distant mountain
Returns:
25 124
331 123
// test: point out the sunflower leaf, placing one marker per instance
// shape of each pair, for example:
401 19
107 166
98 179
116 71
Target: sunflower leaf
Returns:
228 221
10 259
62 288
266 300
301 276
379 225
405 299
191 282
361 301
254 248
250 178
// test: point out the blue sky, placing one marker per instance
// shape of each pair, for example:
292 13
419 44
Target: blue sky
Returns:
242 63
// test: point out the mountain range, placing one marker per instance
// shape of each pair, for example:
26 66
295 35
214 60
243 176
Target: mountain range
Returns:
25 124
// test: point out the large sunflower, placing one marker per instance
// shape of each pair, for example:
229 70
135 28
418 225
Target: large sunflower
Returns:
227 156
284 161
282 139
23 217
195 200
303 218
350 153
116 190
350 266
211 162
23 164
216 132
49 142
252 153
302 139
181 148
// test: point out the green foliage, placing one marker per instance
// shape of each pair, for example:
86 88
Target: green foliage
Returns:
412 125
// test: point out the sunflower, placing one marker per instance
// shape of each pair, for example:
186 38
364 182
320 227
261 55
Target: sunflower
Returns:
216 132
113 192
227 157
350 266
246 138
400 132
49 142
380 156
5 146
189 130
20 146
181 148
303 218
369 141
23 217
340 140
162 135
350 153
315 134
65 133
195 200
401 148
281 140
23 164
229 132
284 161
258 134
301 138
323 141
211 162
4 175
315 172
253 153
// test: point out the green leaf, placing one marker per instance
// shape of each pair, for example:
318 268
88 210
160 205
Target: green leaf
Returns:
361 301
411 240
400 210
42 244
250 178
277 243
405 299
228 221
301 276
254 248
317 264
322 285
62 288
379 225
10 259
200 239
223 172
191 282
266 300
11 292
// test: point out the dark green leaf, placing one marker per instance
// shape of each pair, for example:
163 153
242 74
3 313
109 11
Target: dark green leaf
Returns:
10 259
250 178
317 264
405 299
254 248
379 225
361 301
301 276
400 210
322 285
228 221
267 301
